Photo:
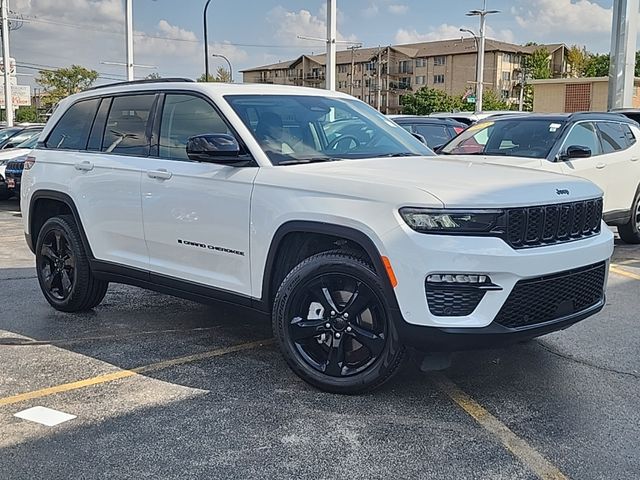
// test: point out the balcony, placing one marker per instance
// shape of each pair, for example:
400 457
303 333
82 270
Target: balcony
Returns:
314 77
406 69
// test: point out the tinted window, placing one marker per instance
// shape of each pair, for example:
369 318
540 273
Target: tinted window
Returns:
516 137
7 133
584 135
23 136
436 135
72 131
97 131
612 135
126 129
185 116
628 135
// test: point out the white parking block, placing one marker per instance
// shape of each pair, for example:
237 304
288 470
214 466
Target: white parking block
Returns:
45 416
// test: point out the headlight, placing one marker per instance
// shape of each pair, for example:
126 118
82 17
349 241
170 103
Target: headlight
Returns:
426 220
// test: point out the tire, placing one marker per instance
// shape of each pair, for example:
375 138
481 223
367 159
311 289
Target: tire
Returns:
630 232
323 344
63 268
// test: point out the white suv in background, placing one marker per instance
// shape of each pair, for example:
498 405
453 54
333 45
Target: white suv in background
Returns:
312 206
601 147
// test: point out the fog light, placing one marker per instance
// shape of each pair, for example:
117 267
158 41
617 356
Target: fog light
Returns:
458 278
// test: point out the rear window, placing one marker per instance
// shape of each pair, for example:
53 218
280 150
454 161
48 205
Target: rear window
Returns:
72 131
517 138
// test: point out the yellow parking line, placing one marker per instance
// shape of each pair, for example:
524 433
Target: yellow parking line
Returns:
110 377
516 445
625 273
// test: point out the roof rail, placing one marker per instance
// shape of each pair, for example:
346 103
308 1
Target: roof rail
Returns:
141 82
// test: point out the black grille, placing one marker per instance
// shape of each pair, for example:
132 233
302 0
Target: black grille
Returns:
447 301
536 226
14 168
553 297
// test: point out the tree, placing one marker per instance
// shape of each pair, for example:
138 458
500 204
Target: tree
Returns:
153 76
597 65
27 114
222 75
62 82
428 100
537 65
577 58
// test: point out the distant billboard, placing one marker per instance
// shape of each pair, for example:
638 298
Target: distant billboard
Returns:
20 94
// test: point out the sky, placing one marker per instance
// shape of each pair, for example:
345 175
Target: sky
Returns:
168 33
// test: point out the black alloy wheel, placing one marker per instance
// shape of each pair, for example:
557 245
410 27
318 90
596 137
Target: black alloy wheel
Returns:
630 232
331 319
337 324
58 268
63 268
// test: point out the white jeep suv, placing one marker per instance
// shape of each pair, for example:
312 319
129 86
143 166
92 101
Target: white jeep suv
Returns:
312 206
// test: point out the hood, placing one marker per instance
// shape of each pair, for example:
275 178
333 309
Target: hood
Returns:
461 184
12 153
525 162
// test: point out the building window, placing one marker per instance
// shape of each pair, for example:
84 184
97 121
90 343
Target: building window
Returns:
506 57
421 62
369 67
506 76
343 68
367 82
404 67
357 84
438 79
442 60
505 94
420 80
405 82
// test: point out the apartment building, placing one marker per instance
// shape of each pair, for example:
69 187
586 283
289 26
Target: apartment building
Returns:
381 76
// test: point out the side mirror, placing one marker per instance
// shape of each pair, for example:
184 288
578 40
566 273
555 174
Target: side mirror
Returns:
576 151
420 137
213 148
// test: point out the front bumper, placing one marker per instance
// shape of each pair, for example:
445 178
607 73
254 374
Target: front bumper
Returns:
414 256
494 335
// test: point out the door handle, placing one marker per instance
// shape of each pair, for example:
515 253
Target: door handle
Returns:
160 174
600 166
84 166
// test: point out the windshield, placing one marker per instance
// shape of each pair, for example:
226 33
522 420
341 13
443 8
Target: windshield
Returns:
6 133
30 142
518 138
303 128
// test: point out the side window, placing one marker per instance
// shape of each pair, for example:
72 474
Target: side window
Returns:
72 131
126 131
628 135
185 116
612 136
97 131
436 135
584 135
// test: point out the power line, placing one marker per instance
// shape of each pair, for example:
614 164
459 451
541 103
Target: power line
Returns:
34 19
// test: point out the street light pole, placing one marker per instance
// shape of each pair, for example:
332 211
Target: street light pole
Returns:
6 61
129 38
476 41
331 45
206 41
480 73
228 63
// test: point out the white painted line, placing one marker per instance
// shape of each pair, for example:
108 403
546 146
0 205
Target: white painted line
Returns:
45 416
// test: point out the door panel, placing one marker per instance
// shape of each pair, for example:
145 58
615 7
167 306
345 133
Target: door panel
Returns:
196 214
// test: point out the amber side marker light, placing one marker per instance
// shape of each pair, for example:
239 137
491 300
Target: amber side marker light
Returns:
390 274
29 161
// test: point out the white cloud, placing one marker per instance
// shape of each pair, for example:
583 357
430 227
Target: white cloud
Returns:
372 10
289 25
447 32
398 8
565 16
167 40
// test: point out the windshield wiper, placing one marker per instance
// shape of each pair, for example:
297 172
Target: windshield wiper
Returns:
400 154
308 160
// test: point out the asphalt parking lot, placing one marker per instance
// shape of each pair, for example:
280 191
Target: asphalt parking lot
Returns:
165 388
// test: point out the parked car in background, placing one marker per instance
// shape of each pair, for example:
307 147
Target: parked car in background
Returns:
13 136
601 147
631 113
469 118
435 131
13 161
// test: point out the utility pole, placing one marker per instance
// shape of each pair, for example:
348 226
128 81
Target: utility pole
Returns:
480 65
623 52
206 41
129 38
331 45
353 49
6 61
379 81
